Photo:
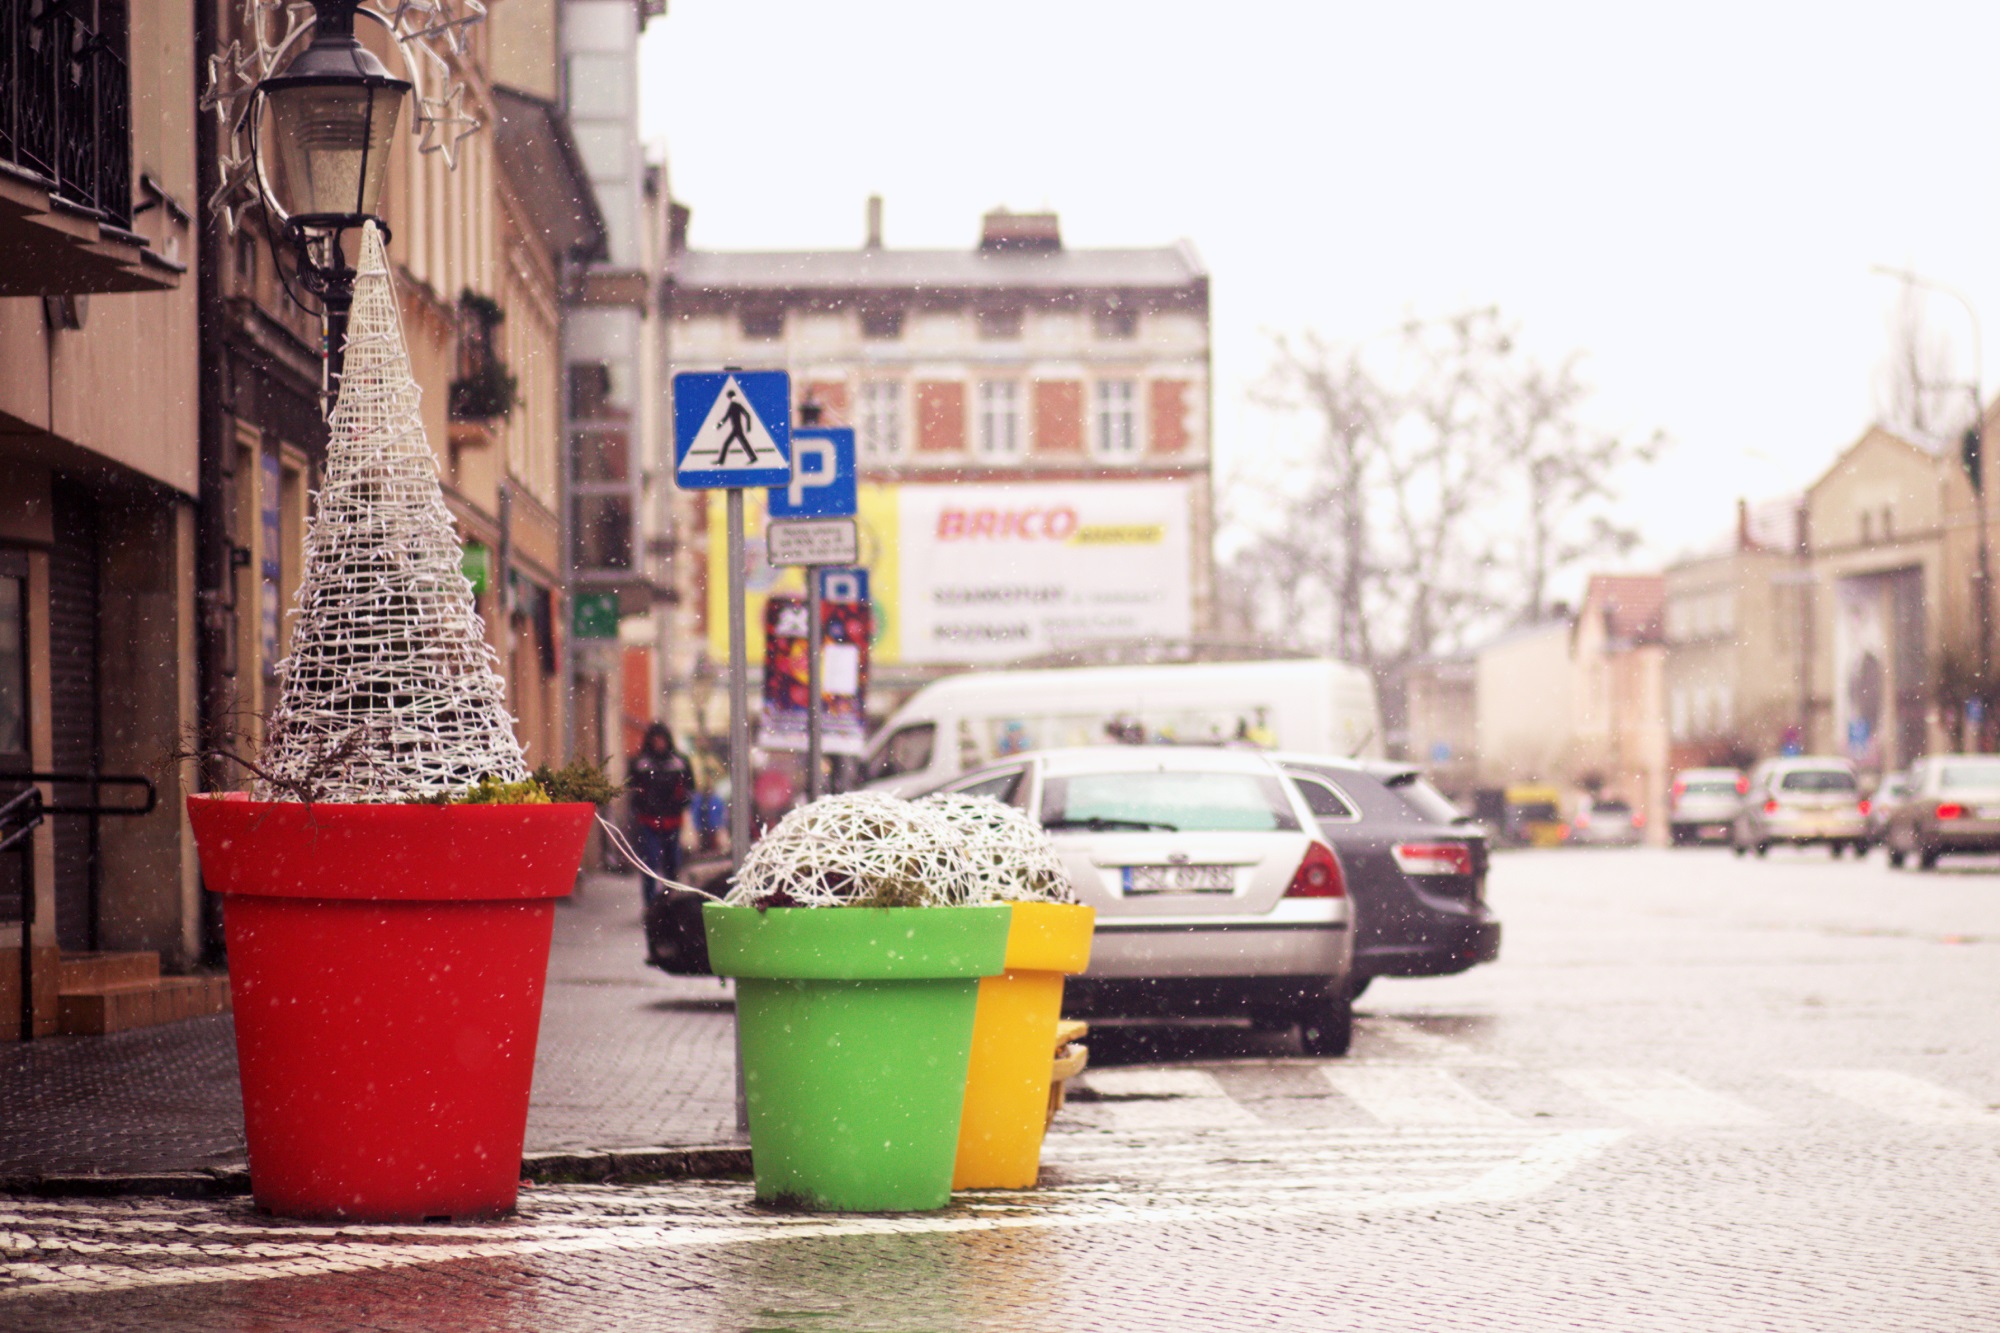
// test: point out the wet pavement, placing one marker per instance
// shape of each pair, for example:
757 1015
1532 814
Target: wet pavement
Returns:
1697 1093
627 1057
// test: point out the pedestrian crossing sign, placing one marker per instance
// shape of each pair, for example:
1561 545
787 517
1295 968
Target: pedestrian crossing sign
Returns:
732 428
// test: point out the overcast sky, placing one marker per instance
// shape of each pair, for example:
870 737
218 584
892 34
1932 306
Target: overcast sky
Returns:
1691 197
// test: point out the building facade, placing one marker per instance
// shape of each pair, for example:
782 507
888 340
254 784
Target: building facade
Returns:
1032 425
99 476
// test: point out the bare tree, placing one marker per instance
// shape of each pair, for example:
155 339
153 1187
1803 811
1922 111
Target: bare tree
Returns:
1916 394
1451 479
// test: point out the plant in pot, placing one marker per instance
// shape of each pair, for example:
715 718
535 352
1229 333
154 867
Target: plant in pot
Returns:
1014 1032
388 882
857 954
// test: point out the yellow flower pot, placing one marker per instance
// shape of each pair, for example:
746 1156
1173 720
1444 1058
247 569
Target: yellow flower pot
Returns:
1013 1038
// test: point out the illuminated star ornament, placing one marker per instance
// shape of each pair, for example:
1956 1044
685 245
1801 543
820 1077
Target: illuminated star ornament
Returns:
430 34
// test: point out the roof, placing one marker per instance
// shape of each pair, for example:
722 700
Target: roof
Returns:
1632 605
1162 267
533 141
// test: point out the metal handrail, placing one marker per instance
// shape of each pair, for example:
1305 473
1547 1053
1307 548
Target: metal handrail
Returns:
21 815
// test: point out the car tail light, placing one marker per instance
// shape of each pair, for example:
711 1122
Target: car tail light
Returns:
1433 858
1742 786
1771 807
1638 819
1318 876
1950 810
1680 789
1583 820
1863 807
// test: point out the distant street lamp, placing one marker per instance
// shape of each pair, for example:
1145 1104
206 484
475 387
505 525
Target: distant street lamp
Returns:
1973 447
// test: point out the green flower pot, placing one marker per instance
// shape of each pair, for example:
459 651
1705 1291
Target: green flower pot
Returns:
855 1026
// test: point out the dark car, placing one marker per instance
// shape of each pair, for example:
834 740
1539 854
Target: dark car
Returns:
1416 866
675 939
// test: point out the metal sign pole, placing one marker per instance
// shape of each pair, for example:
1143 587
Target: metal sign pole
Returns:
739 691
815 714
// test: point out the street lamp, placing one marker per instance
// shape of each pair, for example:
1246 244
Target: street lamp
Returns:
333 114
1975 472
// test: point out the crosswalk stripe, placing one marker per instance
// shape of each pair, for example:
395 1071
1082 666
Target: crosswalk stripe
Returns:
1659 1097
1411 1042
1417 1096
1898 1095
1154 1083
1166 1099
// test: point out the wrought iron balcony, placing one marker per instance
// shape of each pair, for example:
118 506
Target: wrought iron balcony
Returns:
65 104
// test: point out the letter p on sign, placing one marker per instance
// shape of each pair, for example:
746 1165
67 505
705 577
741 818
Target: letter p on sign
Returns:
823 481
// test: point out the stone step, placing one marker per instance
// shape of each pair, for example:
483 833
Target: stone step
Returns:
89 971
123 1006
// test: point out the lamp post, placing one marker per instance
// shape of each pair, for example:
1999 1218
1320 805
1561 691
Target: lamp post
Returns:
1975 471
333 112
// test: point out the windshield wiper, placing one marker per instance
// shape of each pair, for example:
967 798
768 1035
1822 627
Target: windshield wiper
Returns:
1099 824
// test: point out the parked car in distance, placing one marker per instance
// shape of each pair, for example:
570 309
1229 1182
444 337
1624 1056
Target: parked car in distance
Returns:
1888 797
1612 823
1415 866
1704 804
1214 892
1534 817
1801 801
1953 807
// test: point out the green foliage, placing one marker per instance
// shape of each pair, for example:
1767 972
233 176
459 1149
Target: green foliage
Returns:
491 791
578 780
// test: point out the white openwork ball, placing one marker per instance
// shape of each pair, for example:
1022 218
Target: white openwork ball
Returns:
861 849
1012 858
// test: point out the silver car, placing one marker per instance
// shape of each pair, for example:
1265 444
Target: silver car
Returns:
1953 806
1800 801
1705 802
1215 893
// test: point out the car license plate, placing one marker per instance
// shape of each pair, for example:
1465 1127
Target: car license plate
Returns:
1180 879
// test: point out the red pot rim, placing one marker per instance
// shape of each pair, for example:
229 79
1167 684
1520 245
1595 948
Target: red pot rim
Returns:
343 850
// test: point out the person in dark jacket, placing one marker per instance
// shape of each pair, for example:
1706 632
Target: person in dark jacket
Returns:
662 783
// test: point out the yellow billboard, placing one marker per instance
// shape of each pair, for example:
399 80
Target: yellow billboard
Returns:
970 573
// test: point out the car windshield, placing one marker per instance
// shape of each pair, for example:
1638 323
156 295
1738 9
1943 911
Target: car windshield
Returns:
1972 775
1817 779
1534 812
1181 802
1610 808
1710 787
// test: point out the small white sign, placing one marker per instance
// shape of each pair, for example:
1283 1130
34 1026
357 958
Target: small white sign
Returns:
813 541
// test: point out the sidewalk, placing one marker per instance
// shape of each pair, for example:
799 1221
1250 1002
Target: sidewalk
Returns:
628 1058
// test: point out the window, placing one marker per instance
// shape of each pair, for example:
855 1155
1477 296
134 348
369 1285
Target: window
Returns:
1136 802
762 322
1817 779
879 422
1117 418
1117 322
1003 787
1321 799
1000 431
908 750
1000 322
882 323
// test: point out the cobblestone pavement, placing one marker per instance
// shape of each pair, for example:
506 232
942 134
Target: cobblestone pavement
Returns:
627 1057
1696 1093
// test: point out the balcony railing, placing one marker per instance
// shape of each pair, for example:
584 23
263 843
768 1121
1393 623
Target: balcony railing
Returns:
65 103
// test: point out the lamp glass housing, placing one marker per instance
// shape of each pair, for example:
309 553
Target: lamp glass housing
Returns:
333 145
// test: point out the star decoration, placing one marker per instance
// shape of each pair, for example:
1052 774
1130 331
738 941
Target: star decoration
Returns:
428 33
444 123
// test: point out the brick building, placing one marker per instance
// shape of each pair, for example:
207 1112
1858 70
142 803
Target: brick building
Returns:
1033 430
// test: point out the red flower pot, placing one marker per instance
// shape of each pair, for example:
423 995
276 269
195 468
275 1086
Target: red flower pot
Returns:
386 965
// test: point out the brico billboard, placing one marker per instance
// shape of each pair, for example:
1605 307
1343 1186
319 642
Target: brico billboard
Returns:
991 573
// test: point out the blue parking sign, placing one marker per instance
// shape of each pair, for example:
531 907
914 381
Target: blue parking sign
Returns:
822 484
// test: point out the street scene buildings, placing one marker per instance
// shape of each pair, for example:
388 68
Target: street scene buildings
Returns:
1285 730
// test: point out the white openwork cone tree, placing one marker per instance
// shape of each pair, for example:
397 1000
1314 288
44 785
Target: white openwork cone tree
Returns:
391 690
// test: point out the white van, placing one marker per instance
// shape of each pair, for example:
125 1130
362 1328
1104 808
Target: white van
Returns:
1314 706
